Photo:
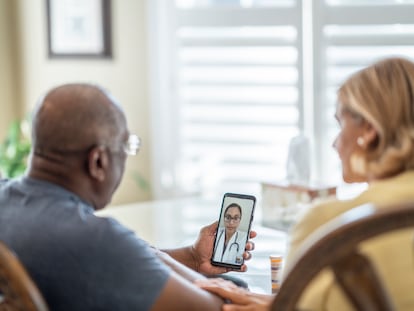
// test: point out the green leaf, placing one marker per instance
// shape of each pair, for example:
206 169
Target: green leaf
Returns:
14 151
141 182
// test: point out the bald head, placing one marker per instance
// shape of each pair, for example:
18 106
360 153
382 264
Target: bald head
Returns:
74 117
78 134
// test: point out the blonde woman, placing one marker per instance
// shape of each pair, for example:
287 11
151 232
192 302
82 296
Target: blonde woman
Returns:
375 144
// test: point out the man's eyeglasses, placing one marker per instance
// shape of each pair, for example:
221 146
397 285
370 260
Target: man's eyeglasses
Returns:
132 145
228 218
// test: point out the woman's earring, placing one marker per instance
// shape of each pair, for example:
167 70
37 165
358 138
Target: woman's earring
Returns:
361 141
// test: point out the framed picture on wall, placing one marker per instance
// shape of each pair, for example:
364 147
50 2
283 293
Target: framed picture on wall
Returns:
79 28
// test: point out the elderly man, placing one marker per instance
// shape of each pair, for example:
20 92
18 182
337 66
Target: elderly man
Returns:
80 261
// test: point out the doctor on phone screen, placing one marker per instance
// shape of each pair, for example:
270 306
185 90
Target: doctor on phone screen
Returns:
230 241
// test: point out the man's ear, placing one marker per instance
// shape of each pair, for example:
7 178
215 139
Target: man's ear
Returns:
98 163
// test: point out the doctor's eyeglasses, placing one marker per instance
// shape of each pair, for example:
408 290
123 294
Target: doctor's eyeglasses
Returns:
228 218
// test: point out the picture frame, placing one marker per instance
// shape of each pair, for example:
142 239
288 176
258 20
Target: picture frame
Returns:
79 28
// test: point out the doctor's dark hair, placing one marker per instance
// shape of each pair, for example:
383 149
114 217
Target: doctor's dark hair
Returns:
233 205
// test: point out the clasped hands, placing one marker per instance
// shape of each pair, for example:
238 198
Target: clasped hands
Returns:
242 299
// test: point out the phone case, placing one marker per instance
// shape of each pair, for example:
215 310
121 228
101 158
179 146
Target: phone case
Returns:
236 216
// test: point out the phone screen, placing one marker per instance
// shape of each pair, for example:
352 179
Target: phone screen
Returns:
236 216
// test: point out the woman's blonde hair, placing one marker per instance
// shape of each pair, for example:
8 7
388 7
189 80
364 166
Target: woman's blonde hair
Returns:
382 94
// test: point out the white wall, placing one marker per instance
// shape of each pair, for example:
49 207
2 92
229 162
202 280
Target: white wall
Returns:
9 107
125 75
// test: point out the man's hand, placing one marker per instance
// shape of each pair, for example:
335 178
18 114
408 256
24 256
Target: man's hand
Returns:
203 250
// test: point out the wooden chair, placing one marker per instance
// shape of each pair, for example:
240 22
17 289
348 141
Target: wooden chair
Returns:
17 290
336 246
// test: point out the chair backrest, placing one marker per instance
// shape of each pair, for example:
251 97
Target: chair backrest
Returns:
335 245
17 290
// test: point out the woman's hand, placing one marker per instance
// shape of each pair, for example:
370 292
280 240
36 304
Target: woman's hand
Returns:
203 250
240 299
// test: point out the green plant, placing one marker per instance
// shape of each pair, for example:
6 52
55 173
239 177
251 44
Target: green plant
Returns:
140 180
14 150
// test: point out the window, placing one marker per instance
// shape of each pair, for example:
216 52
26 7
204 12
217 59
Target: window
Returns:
234 80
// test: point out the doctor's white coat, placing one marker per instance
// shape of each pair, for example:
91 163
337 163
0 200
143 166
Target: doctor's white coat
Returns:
233 254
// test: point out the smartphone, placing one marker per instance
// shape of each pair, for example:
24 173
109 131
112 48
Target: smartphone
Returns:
236 216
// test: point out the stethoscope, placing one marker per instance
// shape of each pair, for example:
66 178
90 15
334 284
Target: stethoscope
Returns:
235 244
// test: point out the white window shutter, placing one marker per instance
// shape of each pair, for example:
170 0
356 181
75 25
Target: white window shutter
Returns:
234 80
350 36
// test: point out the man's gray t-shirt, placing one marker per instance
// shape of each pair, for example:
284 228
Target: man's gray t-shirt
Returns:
79 261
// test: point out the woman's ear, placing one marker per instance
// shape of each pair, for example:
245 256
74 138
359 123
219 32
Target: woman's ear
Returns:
370 134
98 163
